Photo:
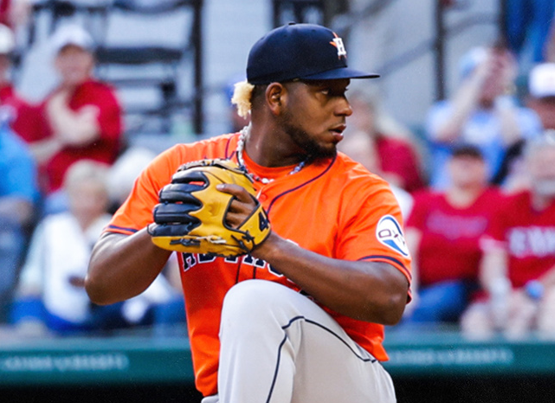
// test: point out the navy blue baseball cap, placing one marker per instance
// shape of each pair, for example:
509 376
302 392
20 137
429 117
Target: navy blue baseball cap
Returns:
300 51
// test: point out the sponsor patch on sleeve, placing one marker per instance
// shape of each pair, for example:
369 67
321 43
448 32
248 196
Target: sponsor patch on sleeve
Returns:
390 234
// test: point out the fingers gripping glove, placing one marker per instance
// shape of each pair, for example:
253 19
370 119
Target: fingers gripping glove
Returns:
191 215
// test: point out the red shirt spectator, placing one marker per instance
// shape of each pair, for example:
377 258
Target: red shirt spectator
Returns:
101 98
528 236
445 227
518 264
81 119
443 232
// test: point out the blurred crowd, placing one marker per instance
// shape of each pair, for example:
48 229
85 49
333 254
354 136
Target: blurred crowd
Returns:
476 185
65 169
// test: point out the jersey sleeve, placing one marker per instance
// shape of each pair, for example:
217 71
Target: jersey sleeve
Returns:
136 212
373 228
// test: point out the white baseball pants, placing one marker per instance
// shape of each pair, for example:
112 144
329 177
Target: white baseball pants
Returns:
277 346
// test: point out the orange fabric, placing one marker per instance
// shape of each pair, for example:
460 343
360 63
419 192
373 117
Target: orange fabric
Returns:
330 207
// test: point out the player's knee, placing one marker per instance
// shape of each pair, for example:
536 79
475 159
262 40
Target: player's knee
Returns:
251 300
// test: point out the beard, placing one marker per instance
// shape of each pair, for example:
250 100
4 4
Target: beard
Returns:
304 141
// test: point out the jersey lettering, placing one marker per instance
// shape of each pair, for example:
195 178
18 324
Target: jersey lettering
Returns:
532 241
206 257
274 271
251 261
190 260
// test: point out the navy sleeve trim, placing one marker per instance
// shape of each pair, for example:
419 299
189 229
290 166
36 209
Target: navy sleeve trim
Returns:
109 227
391 259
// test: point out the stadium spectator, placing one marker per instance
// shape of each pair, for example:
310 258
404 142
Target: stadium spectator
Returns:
81 118
541 99
396 156
518 266
452 220
51 287
21 116
18 194
481 113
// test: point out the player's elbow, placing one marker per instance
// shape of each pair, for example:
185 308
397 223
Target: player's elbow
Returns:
394 309
385 311
386 303
97 291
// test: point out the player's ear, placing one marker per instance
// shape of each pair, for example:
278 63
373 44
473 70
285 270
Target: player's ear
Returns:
275 93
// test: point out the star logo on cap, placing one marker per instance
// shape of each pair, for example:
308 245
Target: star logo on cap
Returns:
338 43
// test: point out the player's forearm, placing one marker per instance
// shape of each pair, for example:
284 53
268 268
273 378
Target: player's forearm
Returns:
122 267
369 291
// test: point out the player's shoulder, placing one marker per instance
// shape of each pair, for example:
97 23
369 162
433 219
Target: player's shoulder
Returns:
352 175
159 172
345 166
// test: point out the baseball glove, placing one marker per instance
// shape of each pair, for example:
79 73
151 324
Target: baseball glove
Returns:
191 215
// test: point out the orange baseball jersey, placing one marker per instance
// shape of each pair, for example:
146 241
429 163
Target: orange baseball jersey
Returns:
333 207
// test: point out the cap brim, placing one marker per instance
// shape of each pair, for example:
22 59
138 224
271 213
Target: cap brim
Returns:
341 73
